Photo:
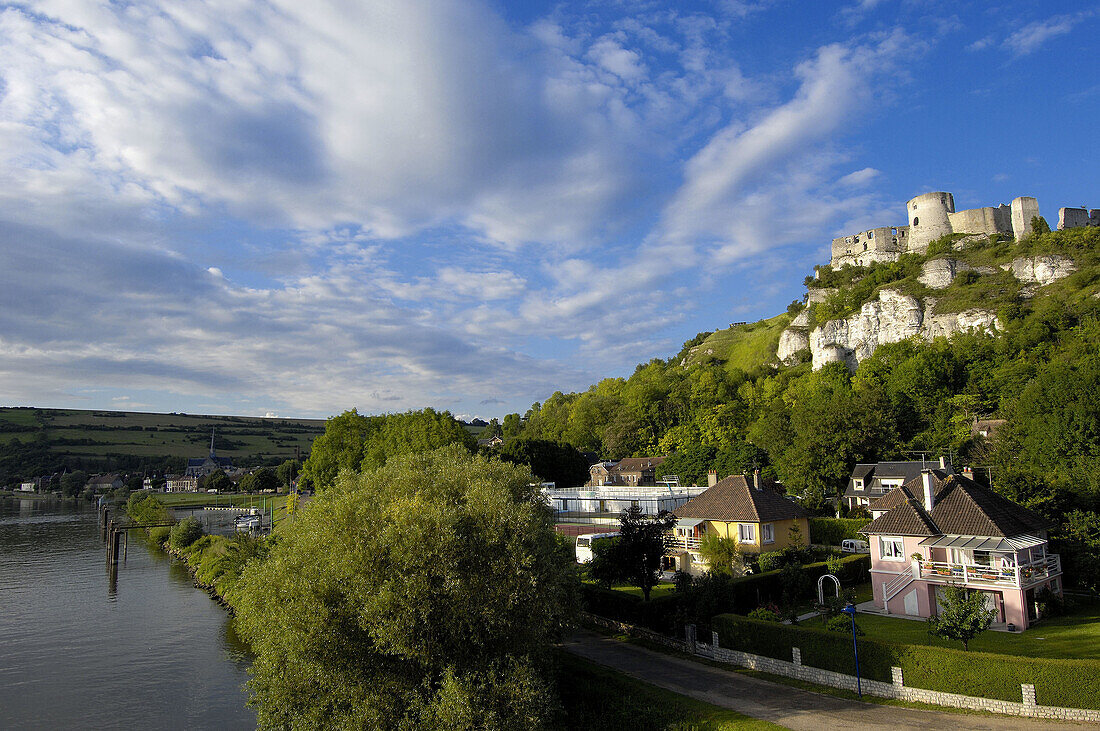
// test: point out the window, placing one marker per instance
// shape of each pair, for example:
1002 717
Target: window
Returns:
746 533
859 484
915 220
767 532
892 549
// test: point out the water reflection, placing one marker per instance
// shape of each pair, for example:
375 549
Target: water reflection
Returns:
147 650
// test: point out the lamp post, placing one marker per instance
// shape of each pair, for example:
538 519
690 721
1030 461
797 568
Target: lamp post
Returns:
850 610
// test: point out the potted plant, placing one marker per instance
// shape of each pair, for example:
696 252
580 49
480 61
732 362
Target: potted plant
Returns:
917 558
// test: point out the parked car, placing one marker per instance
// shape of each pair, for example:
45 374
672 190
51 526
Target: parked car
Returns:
851 545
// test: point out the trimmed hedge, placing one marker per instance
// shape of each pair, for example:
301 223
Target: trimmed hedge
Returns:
831 531
664 614
1066 683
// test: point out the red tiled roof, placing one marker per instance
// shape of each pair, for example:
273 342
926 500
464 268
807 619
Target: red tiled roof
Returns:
734 499
637 464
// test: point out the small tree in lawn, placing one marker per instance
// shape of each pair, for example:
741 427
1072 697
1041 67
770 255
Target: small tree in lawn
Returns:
641 546
963 615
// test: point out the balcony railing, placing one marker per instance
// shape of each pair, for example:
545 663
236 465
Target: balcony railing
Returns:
682 543
1015 576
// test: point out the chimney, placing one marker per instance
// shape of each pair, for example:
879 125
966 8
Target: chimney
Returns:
968 473
756 479
929 498
945 463
712 478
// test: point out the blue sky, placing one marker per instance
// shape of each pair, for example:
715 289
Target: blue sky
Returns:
295 208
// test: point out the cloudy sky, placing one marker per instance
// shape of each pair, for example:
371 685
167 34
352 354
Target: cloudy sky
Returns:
284 207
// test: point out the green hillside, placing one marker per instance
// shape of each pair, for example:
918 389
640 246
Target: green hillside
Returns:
745 346
44 440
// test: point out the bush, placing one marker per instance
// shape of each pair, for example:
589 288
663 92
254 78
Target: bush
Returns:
831 531
160 534
184 533
771 561
1067 683
765 614
843 623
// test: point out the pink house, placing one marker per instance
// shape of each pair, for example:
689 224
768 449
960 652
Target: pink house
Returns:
936 531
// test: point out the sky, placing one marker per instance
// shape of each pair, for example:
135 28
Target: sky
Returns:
271 207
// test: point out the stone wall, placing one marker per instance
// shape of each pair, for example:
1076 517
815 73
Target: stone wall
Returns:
1077 218
896 690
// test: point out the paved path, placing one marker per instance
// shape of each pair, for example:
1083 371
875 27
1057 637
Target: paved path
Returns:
781 704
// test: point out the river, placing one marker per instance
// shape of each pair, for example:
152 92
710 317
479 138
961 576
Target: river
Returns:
151 651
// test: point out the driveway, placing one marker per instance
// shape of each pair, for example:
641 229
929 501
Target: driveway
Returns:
781 704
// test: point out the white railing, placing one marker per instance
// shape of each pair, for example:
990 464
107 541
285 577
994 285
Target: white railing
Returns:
682 543
1016 576
896 584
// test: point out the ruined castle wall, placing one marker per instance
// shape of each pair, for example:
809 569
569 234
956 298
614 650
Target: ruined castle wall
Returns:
880 244
986 220
929 218
1024 209
1077 218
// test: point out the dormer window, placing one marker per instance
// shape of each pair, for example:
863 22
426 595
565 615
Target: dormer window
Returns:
859 484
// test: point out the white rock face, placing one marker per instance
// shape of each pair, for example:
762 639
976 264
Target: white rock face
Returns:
1041 270
792 340
890 319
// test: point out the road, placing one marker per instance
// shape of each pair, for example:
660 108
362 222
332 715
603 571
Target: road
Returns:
781 704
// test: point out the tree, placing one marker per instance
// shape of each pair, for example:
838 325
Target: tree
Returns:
962 616
640 547
511 427
426 594
216 480
73 482
722 554
288 471
550 461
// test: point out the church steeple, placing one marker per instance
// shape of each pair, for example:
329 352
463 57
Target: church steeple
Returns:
213 455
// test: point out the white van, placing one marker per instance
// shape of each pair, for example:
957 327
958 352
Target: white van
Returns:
851 545
587 542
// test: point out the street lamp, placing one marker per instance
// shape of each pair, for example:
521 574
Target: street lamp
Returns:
850 610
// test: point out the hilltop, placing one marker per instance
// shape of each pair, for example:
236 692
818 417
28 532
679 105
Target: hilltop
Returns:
40 440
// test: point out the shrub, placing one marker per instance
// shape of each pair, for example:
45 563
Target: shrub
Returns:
184 533
834 565
767 613
843 623
771 561
160 534
831 531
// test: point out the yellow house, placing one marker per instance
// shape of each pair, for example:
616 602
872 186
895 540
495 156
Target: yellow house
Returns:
756 513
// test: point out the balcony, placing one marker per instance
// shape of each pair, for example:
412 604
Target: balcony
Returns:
681 543
1022 576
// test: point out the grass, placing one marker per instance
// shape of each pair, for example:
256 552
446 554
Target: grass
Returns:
596 697
1075 635
657 591
743 346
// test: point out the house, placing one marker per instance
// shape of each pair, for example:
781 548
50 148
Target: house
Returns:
754 512
181 483
600 474
936 531
26 487
492 442
871 481
635 471
105 483
986 428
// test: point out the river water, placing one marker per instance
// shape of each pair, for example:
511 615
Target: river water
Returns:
151 651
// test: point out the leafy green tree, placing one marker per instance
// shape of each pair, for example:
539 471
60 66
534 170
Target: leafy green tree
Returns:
493 430
721 554
288 471
641 545
216 480
72 483
1079 543
146 509
962 615
511 427
426 594
185 532
550 461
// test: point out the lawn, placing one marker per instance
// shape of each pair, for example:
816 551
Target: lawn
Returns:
594 697
1076 635
659 590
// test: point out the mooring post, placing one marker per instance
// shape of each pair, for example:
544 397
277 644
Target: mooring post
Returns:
126 545
103 523
107 536
116 539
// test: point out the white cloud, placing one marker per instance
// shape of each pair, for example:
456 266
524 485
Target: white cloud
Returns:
859 178
1032 36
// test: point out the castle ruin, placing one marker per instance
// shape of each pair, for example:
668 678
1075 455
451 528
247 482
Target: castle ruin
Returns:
933 215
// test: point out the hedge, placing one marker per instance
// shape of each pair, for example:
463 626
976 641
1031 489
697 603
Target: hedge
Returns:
747 593
1066 683
831 531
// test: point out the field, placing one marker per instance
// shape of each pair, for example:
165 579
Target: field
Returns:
742 346
90 437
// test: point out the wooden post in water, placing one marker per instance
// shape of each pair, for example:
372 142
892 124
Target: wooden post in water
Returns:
126 546
116 539
109 531
103 523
